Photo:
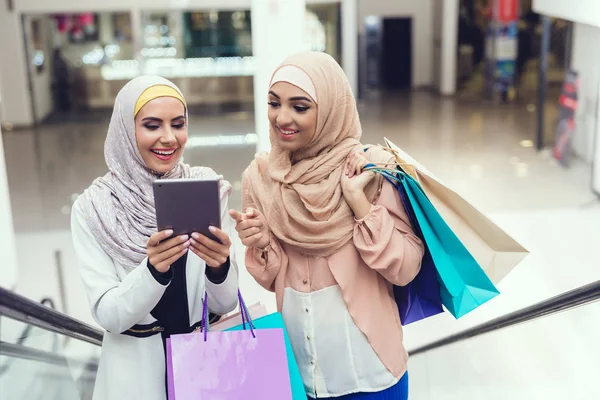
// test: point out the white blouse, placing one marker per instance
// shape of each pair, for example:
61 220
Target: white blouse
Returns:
334 356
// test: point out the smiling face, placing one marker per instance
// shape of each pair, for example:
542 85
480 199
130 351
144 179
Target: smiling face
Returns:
161 133
292 115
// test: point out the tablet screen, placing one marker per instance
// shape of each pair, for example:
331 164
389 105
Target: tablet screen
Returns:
187 205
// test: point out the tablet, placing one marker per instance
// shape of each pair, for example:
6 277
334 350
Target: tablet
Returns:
187 205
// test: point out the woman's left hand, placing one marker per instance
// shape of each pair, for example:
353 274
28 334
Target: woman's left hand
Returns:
215 254
354 179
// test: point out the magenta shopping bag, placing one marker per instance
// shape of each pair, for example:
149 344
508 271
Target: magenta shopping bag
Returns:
232 365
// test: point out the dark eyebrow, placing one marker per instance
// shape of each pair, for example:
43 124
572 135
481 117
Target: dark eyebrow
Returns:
300 98
295 98
152 119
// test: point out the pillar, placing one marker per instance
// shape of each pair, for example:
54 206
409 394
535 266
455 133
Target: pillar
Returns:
350 42
15 94
9 268
450 9
270 47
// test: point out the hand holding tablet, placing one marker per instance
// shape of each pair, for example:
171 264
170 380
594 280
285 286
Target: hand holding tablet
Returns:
192 208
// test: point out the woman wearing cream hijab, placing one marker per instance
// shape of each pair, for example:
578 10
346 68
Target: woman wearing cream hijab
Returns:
327 238
143 286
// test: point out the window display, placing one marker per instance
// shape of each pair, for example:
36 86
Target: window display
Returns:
161 35
217 34
322 29
205 51
93 39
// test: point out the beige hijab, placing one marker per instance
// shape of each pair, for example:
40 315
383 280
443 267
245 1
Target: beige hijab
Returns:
300 194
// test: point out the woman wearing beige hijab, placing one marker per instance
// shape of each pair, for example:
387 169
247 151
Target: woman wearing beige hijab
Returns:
143 286
327 238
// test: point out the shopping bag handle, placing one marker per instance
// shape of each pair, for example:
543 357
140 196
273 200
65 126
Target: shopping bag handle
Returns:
398 163
393 175
245 314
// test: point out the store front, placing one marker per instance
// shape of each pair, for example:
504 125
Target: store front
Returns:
208 54
584 139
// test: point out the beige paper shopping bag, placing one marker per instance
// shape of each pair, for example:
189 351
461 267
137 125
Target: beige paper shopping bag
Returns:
495 251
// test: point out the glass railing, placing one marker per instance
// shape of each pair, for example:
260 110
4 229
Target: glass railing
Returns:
44 355
519 356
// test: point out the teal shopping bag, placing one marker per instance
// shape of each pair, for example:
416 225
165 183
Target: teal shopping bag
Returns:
464 285
272 321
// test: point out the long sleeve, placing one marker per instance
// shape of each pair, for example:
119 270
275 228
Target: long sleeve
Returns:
223 296
218 275
264 268
116 304
386 241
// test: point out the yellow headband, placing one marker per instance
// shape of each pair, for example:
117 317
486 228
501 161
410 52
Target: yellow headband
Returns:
154 92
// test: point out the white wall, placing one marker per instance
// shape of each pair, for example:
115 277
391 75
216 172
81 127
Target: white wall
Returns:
586 61
583 11
596 165
14 106
8 266
421 12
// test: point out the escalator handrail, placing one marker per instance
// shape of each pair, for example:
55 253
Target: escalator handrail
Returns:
25 334
574 298
28 311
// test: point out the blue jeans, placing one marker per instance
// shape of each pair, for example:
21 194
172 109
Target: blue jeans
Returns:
397 392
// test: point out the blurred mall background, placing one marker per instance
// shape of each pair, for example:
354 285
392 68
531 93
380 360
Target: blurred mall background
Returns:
499 98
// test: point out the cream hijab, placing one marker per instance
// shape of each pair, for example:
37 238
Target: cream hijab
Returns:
300 194
120 205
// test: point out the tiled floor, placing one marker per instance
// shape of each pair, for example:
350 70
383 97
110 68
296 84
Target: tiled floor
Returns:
478 149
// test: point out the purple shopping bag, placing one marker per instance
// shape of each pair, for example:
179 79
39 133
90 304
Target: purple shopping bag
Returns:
421 298
170 388
232 365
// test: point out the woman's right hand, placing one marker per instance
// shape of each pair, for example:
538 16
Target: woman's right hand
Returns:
252 228
162 252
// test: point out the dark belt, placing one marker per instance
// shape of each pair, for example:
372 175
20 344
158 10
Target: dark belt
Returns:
144 331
